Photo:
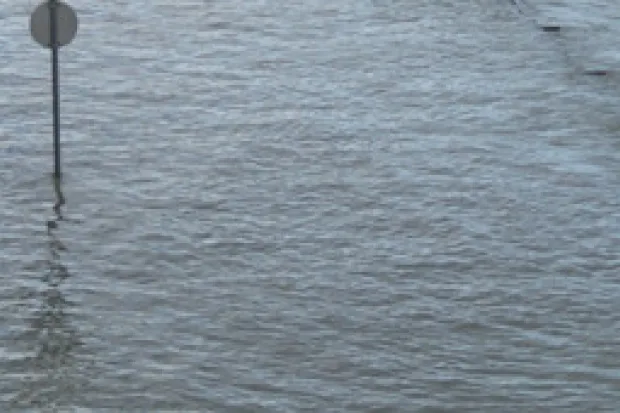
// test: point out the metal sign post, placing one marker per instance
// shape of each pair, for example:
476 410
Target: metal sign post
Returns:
53 24
55 97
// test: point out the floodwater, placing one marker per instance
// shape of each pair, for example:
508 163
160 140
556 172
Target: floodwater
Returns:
313 206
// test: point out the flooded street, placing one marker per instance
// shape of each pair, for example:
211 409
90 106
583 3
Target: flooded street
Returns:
346 206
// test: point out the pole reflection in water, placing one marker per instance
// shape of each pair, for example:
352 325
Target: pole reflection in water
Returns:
51 380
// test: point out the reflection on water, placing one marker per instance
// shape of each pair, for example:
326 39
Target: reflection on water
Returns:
51 337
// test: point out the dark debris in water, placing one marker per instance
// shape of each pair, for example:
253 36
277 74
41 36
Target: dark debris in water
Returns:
596 72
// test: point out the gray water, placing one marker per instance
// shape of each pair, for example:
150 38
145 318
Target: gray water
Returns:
313 206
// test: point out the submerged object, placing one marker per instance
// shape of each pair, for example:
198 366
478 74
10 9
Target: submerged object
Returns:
551 28
596 72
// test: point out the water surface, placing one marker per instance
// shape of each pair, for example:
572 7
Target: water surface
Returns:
348 206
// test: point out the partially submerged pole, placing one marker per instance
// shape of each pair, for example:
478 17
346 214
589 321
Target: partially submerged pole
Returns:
55 93
53 24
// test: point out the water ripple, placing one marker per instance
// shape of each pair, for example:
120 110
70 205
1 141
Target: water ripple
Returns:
357 206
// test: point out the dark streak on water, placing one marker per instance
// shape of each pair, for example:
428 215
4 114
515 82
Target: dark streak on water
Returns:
355 206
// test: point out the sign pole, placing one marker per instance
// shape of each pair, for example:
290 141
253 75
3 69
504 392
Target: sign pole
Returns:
53 24
55 87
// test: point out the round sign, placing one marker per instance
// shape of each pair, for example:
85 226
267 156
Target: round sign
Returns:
66 24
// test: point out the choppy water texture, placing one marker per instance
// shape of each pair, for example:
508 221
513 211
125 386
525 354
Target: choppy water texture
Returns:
321 206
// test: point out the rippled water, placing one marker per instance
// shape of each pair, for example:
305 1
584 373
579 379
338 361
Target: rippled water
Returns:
346 206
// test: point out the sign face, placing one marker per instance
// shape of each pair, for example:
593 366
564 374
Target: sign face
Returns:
66 24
